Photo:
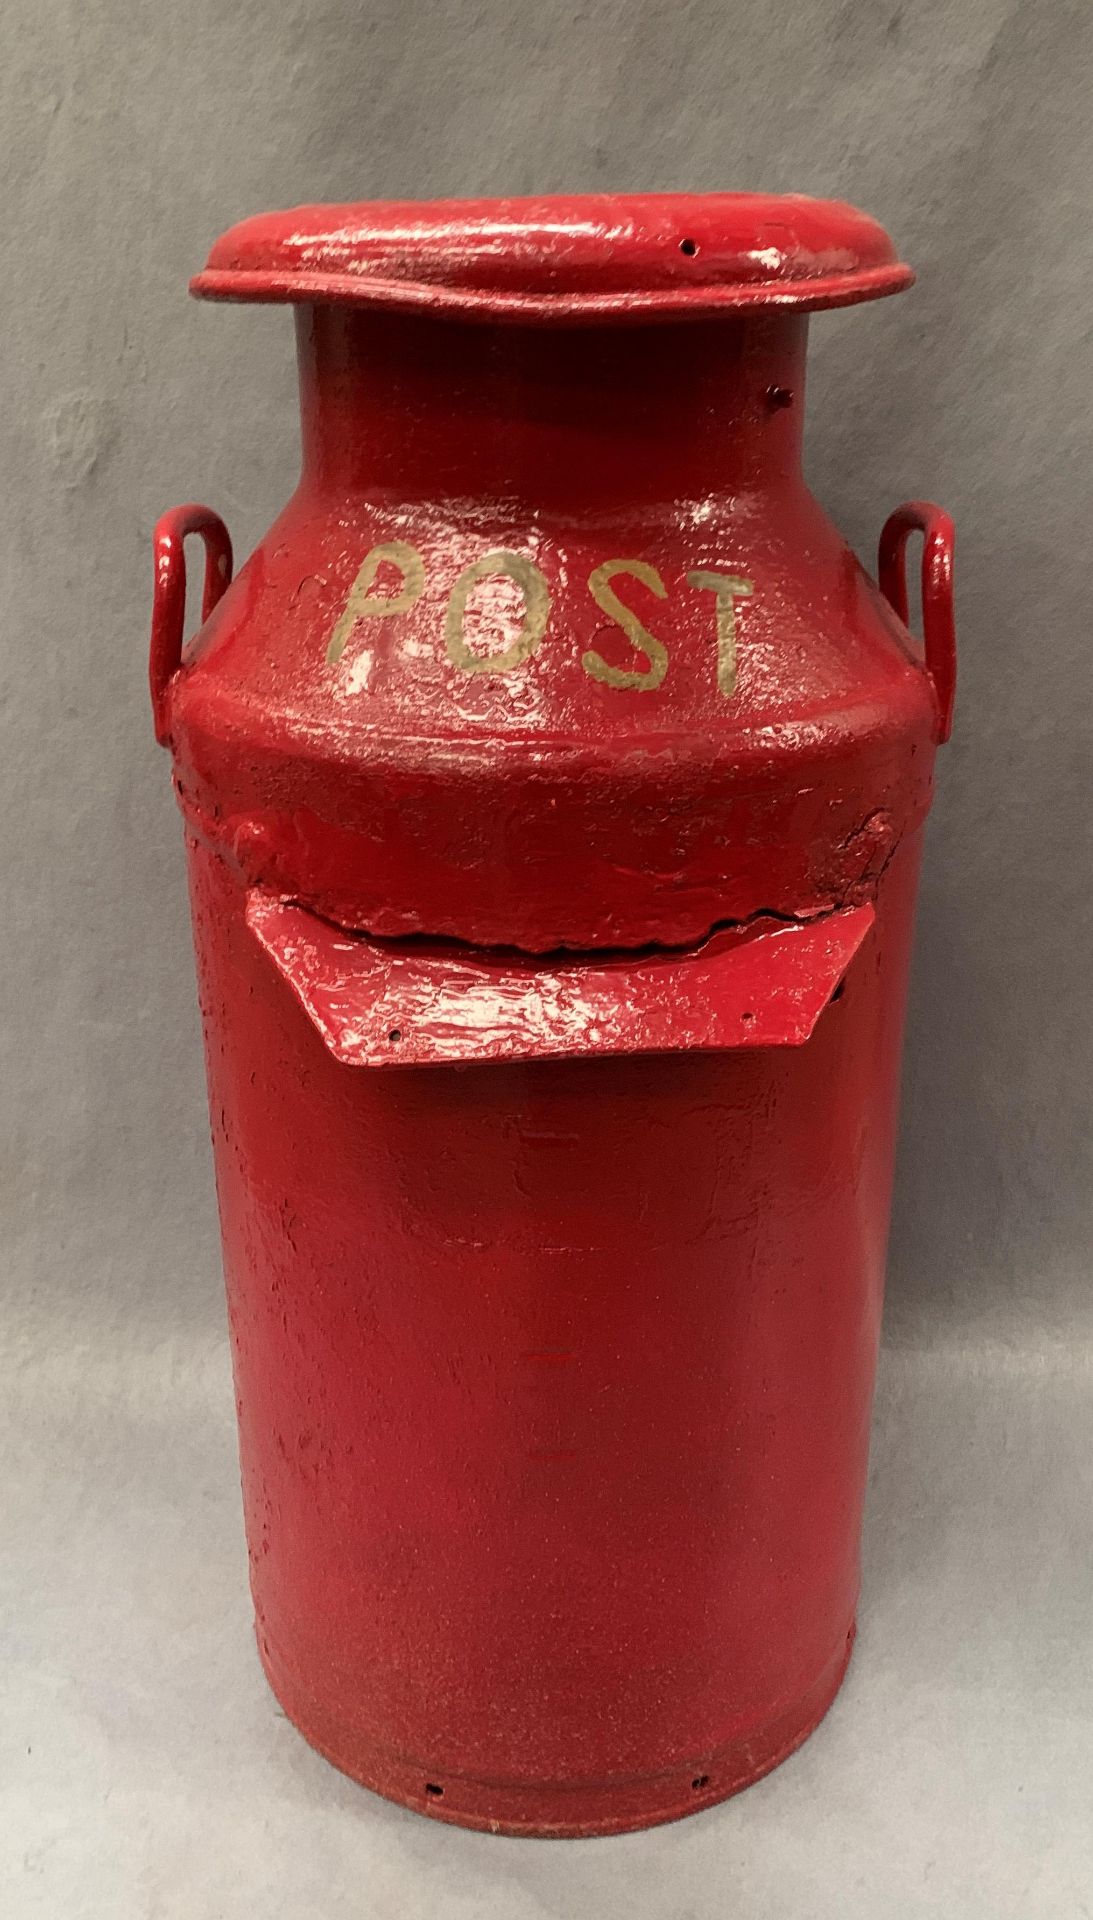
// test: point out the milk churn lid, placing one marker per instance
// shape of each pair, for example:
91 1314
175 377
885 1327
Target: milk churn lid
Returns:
580 258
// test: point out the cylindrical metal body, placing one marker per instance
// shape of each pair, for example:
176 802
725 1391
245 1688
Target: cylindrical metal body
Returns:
554 780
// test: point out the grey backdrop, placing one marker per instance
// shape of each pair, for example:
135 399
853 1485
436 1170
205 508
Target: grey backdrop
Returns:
143 1768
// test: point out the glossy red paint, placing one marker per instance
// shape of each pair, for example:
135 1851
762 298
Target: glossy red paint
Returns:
938 622
553 749
612 257
390 1003
169 603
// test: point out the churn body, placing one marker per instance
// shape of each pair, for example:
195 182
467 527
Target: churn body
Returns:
553 779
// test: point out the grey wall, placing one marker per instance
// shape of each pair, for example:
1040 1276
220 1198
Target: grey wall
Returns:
145 1772
133 135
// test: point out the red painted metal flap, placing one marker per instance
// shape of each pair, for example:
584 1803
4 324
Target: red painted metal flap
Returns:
382 1003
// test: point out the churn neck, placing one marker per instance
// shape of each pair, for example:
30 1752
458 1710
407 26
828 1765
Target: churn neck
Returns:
556 347
438 409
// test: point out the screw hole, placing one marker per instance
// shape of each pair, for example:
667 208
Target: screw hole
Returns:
395 1035
431 1787
747 1016
689 247
779 396
700 1780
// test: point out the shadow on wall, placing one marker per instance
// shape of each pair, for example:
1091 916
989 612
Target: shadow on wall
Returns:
964 391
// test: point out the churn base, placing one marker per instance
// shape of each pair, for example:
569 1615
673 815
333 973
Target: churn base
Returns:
553 1811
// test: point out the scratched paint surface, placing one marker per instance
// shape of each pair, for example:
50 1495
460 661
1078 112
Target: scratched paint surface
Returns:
553 1380
554 747
552 647
382 1004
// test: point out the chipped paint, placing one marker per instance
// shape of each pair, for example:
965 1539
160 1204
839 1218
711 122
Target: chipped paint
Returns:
553 1350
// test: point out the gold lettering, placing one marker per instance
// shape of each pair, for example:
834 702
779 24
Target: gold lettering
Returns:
533 586
727 587
647 643
362 605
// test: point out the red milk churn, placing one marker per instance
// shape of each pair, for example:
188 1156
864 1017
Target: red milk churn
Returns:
553 778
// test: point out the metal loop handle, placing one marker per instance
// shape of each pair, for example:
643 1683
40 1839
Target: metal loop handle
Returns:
169 595
938 621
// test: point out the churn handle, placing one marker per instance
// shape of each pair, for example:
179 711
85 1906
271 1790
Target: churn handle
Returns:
938 622
169 594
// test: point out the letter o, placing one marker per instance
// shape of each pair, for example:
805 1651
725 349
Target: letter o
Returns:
533 586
